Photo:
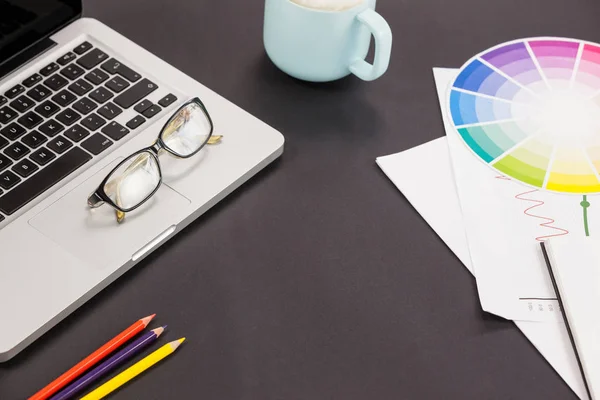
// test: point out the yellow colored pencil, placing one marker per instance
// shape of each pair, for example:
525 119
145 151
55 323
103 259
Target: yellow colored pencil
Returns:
133 371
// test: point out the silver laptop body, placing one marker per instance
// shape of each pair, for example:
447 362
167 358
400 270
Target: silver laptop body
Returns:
56 253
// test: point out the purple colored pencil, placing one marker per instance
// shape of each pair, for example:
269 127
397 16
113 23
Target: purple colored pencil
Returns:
113 362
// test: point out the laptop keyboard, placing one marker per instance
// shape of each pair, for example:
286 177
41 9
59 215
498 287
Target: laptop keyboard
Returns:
57 120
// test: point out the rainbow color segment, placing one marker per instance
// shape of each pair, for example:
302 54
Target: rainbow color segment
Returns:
530 109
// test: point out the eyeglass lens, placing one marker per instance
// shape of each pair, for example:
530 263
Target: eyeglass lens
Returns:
134 180
187 131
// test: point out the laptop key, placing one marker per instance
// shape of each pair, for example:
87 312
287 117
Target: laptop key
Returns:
43 156
101 95
51 128
152 111
117 84
5 162
12 131
143 106
22 103
167 100
64 98
39 93
109 110
59 144
2 100
80 87
67 58
34 139
56 82
49 69
113 66
43 180
7 114
93 122
68 116
14 91
30 120
72 71
135 93
25 168
47 109
77 133
96 76
32 80
97 144
3 142
115 131
82 48
84 105
135 122
7 181
92 58
16 151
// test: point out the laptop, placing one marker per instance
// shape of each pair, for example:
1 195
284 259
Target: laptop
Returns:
76 98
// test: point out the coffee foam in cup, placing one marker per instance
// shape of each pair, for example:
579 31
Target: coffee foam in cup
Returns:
329 5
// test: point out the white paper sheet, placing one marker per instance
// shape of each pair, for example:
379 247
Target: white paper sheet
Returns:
431 163
424 175
504 221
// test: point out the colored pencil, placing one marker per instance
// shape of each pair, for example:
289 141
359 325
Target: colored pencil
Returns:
113 362
133 371
92 359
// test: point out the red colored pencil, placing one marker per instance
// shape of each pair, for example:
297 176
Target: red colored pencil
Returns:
92 359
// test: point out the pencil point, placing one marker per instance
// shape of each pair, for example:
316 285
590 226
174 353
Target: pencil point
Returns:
147 320
158 331
175 344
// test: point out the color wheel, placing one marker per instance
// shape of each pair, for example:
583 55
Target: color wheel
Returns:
530 109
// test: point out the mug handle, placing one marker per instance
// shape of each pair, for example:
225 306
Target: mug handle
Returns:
383 47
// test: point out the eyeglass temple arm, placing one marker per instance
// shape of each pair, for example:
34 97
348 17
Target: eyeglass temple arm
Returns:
120 215
214 139
95 201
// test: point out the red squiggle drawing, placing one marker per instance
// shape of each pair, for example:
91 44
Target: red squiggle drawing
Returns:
537 203
549 221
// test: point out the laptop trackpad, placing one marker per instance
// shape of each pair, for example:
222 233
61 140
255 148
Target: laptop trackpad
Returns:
95 236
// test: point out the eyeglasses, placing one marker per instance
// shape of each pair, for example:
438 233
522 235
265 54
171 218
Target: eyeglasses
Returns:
137 178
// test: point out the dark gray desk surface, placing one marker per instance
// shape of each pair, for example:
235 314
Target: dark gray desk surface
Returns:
316 280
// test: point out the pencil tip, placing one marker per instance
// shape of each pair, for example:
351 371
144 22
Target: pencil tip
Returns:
175 344
147 320
158 331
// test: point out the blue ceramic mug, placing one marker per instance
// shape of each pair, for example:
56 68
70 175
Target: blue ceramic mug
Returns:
320 46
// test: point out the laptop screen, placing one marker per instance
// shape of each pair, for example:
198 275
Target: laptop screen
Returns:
25 22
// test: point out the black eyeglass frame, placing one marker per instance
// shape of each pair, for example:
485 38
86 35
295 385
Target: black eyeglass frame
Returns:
99 197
